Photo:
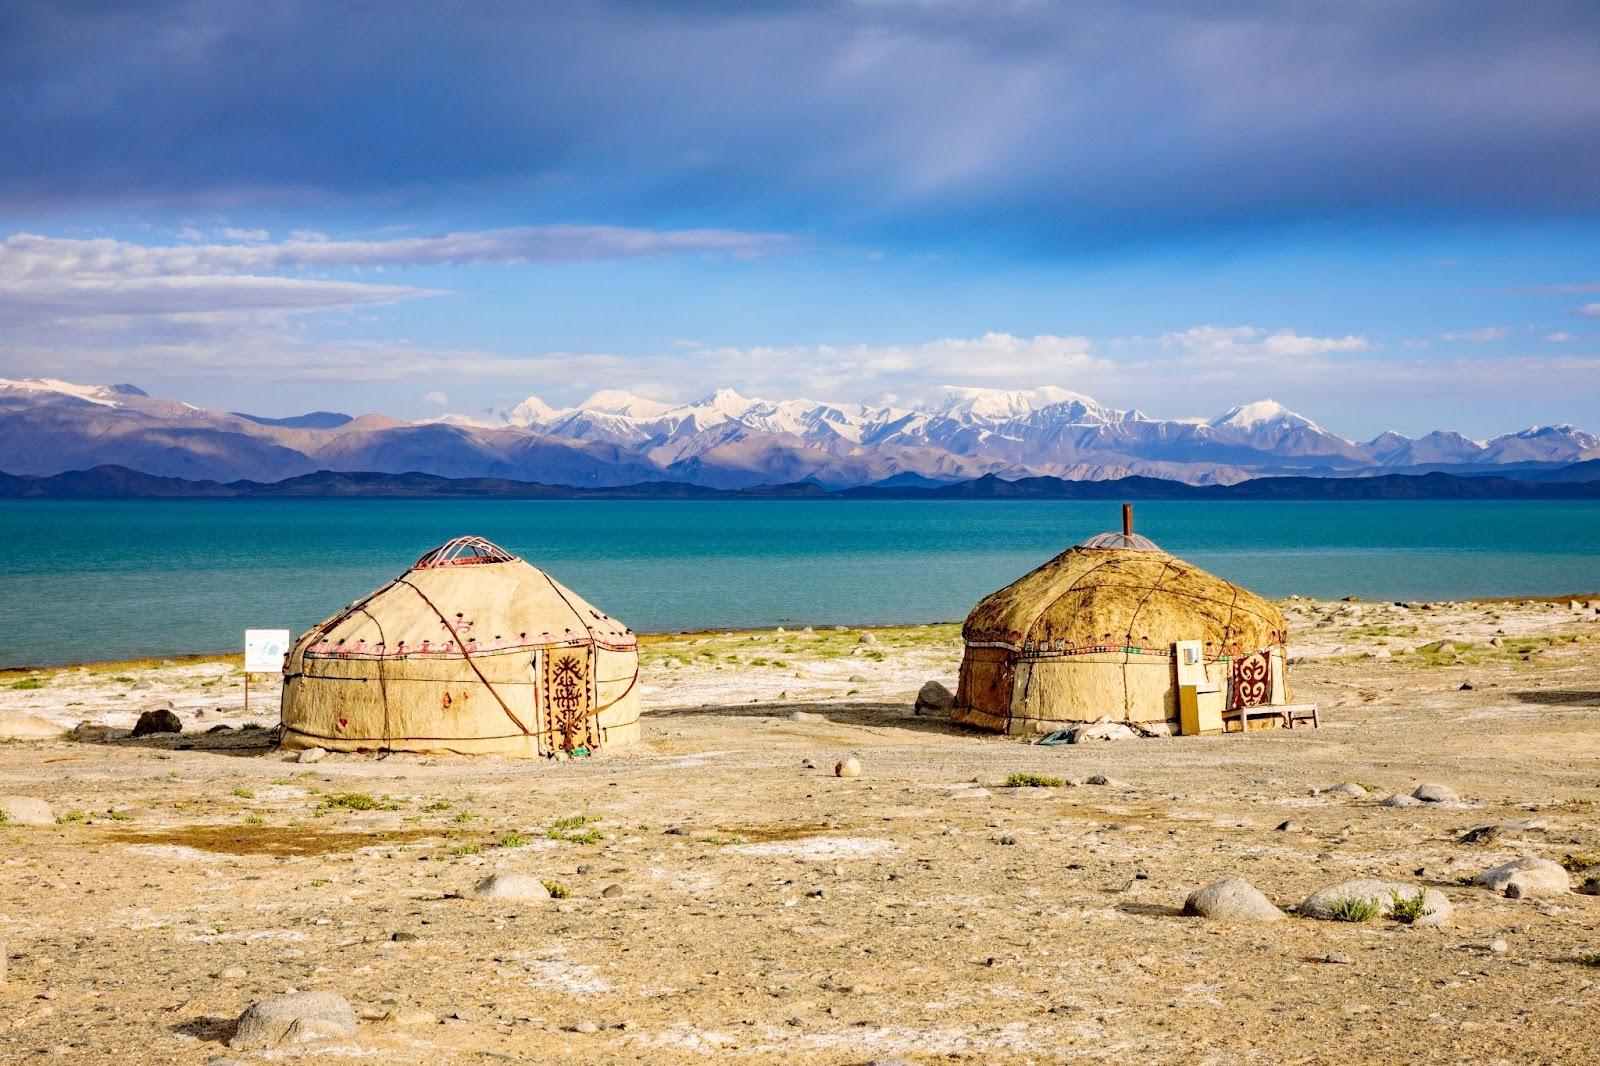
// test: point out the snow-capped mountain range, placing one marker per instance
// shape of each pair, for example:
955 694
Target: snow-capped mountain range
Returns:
726 440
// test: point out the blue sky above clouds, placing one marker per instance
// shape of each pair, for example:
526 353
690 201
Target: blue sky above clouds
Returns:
1380 214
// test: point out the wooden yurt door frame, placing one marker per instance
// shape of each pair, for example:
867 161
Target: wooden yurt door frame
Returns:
565 719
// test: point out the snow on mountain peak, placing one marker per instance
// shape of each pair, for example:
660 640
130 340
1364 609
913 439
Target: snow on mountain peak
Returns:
531 411
1001 405
1260 413
104 395
726 402
627 404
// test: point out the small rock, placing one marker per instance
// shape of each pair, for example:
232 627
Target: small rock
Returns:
403 937
1466 686
934 700
232 973
850 767
26 810
1338 958
511 886
1286 827
611 891
1435 794
867 638
141 686
1102 779
1231 898
1499 946
293 1019
1400 799
1483 834
311 755
160 720
1525 877
1347 788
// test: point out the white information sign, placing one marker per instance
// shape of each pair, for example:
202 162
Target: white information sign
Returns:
264 650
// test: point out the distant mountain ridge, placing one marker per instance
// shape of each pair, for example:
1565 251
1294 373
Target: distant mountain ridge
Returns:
729 441
116 482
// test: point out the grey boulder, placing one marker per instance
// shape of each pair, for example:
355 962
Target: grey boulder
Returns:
26 810
1233 897
1320 904
19 725
1435 794
934 700
1400 799
509 886
1526 877
160 720
296 1018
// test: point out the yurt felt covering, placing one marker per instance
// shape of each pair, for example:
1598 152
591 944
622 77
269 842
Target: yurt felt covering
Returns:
1090 634
474 651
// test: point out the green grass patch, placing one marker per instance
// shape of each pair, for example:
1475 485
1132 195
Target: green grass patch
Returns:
587 836
1353 909
1021 780
243 793
1573 862
513 840
27 684
573 821
556 889
72 818
438 805
357 801
1590 959
254 819
1406 910
720 840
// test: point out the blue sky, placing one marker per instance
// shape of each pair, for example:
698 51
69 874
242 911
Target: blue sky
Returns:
1383 215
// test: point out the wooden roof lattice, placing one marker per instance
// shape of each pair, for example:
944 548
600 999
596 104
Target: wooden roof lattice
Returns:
463 551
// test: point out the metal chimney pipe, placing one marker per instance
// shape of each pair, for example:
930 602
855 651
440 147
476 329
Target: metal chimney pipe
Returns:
1127 520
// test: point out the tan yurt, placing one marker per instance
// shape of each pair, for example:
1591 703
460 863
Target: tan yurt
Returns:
1115 627
472 650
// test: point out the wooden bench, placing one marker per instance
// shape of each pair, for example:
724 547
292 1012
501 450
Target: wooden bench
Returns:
1300 712
1286 713
1242 715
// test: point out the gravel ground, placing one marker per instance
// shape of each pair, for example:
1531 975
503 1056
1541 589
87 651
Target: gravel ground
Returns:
728 898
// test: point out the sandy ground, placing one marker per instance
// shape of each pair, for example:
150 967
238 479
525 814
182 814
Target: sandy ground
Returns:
767 911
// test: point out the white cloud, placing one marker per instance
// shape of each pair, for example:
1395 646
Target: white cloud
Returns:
103 283
1485 335
1560 336
1250 344
437 397
25 255
1588 310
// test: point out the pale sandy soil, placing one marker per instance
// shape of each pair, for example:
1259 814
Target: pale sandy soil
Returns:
791 916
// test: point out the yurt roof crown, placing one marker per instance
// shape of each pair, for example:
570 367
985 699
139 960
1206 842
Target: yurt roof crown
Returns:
464 551
1127 540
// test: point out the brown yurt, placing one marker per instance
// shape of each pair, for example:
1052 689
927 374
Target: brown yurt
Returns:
1108 629
473 651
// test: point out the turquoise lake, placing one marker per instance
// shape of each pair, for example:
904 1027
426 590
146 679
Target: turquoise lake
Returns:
89 580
